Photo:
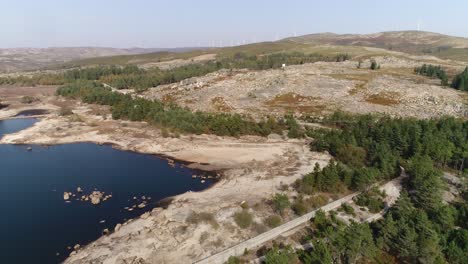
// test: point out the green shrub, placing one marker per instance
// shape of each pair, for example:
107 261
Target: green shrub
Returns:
277 256
28 99
371 200
299 208
233 260
348 209
243 219
317 201
273 221
205 217
280 202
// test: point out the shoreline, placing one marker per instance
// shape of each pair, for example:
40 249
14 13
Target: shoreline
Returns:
252 169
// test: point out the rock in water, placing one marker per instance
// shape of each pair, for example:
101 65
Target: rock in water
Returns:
142 205
117 227
66 196
95 197
79 190
76 247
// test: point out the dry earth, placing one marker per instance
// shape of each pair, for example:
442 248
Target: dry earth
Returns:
317 89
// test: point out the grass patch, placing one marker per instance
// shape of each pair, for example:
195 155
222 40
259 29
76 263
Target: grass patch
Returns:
203 217
292 102
385 98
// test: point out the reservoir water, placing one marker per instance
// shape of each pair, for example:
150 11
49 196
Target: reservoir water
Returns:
37 225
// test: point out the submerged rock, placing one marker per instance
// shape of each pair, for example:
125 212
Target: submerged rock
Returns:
79 190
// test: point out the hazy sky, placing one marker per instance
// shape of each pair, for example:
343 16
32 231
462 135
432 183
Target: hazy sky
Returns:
177 23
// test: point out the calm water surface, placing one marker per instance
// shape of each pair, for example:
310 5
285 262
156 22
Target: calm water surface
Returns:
36 223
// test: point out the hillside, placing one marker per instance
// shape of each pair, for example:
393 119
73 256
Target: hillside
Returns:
415 42
24 59
384 43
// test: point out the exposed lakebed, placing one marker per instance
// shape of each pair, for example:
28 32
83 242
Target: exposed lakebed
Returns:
37 223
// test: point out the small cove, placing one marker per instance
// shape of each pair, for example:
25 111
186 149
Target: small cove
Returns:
37 223
32 112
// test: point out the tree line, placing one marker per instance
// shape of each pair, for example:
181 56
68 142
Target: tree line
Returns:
459 81
171 116
433 71
133 77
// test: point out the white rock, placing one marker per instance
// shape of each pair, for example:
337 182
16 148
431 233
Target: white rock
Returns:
66 196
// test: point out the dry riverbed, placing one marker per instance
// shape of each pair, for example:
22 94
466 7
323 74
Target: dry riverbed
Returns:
253 169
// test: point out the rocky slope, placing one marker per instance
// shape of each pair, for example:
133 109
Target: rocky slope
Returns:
318 89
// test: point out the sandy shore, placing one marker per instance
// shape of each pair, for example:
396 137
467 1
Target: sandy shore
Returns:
253 168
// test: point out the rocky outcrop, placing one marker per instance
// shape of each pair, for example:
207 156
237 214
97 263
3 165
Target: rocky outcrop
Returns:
96 197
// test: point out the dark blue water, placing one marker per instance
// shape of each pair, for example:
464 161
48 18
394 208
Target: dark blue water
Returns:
36 223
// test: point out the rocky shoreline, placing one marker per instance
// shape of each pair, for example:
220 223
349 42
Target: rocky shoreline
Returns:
252 166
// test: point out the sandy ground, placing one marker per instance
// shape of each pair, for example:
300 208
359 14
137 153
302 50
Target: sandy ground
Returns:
253 169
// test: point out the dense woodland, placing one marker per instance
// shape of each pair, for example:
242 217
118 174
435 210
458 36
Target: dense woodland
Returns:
171 116
460 81
420 228
133 77
433 71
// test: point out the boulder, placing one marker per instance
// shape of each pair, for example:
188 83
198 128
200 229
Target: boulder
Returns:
76 247
79 190
117 227
145 215
95 197
66 196
142 205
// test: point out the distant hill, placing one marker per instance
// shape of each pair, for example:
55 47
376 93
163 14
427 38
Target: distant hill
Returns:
412 42
415 42
24 59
